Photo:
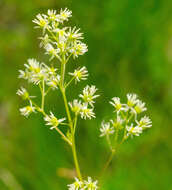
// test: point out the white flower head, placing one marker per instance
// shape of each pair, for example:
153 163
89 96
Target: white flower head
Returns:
80 74
86 112
41 21
77 185
140 107
90 184
145 122
78 48
116 103
73 34
75 106
65 14
53 16
106 129
50 50
23 93
23 74
53 121
88 94
53 82
61 33
132 99
33 65
44 40
117 123
133 130
26 111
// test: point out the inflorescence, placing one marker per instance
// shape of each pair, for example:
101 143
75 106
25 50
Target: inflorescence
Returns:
62 42
127 120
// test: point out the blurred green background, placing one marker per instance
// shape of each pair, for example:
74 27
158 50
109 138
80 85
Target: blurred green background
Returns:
130 50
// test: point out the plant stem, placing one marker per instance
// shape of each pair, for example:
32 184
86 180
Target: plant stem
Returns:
62 88
43 94
63 136
75 158
108 161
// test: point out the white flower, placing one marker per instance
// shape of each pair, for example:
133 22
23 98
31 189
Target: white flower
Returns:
34 72
73 34
36 78
80 74
26 111
106 129
23 74
145 122
52 16
77 185
116 103
53 121
65 14
118 122
50 50
33 65
61 35
86 112
132 99
78 48
133 130
53 82
88 94
75 106
44 40
23 93
90 184
41 21
140 107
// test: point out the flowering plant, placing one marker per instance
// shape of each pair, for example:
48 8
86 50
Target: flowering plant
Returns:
63 43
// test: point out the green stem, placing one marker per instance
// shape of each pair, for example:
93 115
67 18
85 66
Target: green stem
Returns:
43 94
108 161
62 88
75 122
75 158
63 136
109 142
69 82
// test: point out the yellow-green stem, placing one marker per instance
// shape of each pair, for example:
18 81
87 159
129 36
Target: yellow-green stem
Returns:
62 87
43 94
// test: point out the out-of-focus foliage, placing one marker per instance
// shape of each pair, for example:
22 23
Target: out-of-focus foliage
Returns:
130 50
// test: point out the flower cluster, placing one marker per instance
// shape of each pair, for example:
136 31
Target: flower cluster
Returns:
67 40
85 185
62 42
85 106
36 72
127 118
